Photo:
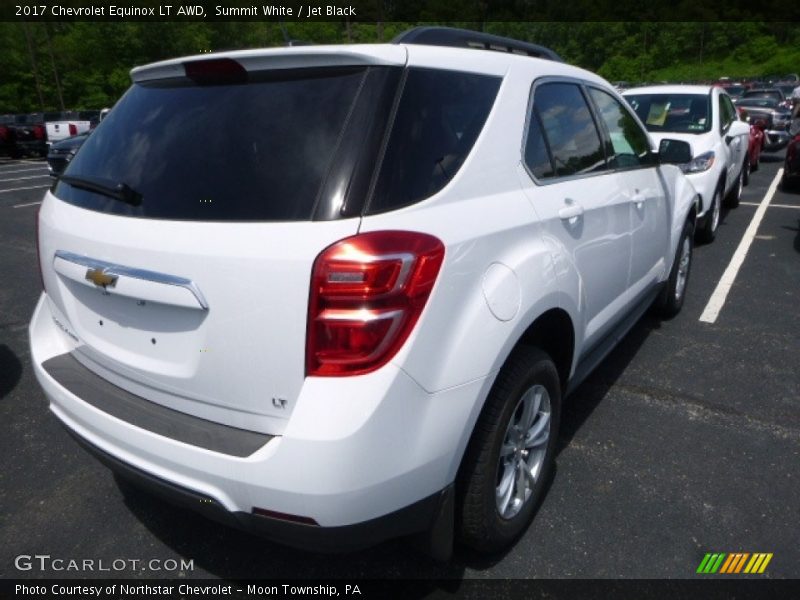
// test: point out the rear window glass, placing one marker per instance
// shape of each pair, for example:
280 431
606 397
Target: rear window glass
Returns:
438 120
233 152
775 94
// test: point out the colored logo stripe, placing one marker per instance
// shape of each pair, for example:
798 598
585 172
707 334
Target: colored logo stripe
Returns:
734 563
758 563
722 562
711 563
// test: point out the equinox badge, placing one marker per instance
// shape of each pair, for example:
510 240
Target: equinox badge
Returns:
100 278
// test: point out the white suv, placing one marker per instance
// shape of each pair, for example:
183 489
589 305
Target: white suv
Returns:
705 117
337 294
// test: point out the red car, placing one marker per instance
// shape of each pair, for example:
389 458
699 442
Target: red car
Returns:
756 143
791 166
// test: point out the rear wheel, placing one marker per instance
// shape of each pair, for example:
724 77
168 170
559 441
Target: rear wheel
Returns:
708 231
788 184
510 455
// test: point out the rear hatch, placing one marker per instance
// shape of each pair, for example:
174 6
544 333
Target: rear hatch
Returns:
29 128
179 243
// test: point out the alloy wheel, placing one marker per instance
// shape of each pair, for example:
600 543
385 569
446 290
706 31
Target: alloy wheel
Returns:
523 451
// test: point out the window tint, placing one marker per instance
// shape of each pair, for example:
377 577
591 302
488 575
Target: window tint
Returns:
731 108
231 152
774 94
629 143
438 119
569 129
677 113
537 158
725 116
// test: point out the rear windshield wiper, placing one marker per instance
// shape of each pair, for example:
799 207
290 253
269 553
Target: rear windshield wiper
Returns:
117 190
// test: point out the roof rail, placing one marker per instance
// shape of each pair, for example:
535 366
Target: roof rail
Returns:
466 38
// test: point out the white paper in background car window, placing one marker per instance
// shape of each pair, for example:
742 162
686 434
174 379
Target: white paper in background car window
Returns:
657 114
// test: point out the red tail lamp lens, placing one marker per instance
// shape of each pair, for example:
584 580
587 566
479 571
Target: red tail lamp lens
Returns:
367 293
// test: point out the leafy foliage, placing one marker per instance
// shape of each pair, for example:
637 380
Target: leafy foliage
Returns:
87 64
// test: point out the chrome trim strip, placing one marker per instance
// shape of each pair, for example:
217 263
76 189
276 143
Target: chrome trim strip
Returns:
133 272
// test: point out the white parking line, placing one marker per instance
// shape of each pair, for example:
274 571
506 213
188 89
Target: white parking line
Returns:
26 204
27 170
717 300
32 187
24 178
771 205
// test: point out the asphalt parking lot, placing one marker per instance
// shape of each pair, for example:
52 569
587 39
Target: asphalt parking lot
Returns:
686 440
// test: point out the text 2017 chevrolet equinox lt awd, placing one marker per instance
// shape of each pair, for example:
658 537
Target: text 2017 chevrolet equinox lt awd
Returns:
337 294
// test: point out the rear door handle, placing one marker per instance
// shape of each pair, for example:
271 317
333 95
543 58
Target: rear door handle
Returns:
638 199
570 212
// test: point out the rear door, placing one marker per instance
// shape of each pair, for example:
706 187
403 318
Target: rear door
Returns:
579 200
177 247
640 180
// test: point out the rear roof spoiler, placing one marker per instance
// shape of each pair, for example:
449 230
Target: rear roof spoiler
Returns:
466 38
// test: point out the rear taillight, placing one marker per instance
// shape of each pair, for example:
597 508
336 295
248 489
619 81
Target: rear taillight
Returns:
3 133
38 132
367 292
73 129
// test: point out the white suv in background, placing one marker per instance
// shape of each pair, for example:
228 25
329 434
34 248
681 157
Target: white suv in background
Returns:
705 117
337 294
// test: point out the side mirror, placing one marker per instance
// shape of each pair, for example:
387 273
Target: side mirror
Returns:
760 124
674 152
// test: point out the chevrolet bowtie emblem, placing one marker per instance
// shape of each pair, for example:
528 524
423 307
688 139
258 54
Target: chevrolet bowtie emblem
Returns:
100 278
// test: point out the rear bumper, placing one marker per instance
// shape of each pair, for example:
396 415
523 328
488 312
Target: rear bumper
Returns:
408 520
364 457
775 140
33 147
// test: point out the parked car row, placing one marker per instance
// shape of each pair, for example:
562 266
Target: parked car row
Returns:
32 134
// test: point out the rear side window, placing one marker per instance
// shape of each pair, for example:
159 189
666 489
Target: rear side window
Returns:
537 158
233 152
569 129
438 119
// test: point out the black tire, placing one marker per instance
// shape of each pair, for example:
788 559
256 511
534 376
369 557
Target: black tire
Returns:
788 184
479 523
708 231
670 300
746 171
